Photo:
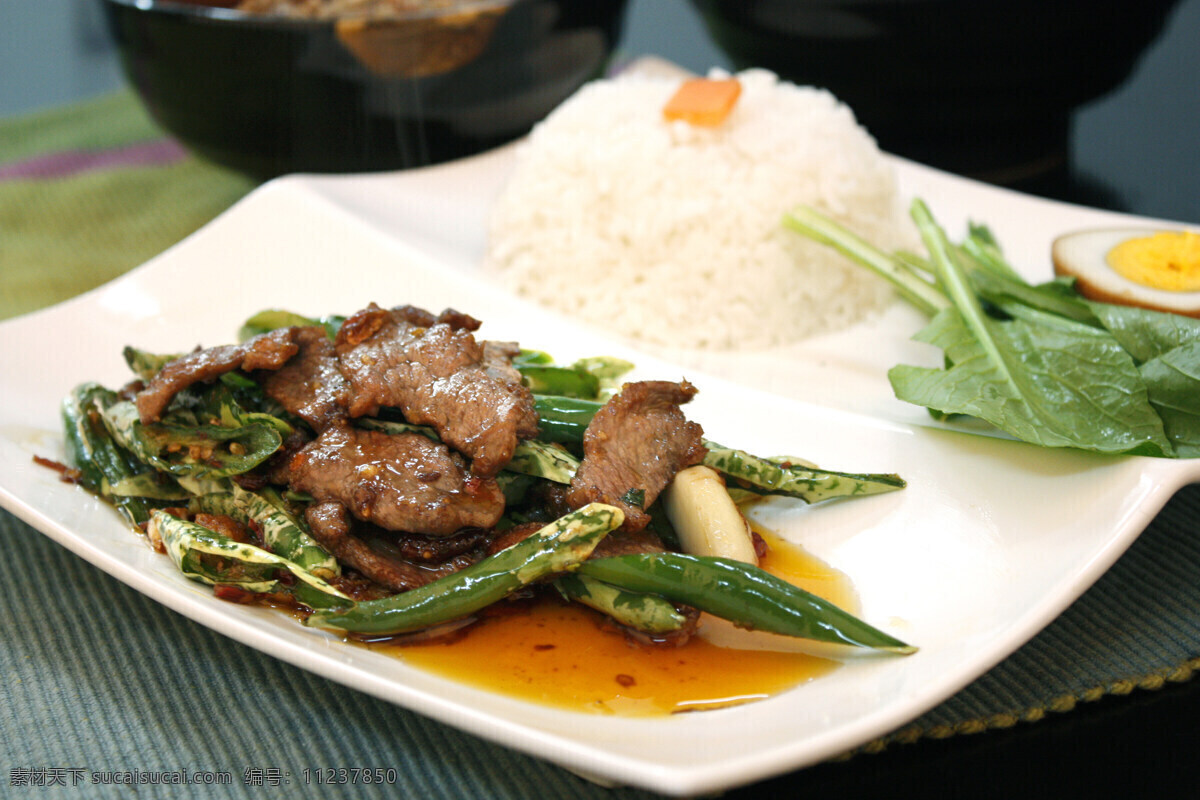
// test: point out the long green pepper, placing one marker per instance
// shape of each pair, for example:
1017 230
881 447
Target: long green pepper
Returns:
650 613
745 595
558 547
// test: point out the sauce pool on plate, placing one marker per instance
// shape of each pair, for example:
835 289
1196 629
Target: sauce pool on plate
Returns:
554 653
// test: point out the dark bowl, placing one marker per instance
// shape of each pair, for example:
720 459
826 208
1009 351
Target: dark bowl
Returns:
980 87
272 95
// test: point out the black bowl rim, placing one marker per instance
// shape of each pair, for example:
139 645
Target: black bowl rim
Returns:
229 15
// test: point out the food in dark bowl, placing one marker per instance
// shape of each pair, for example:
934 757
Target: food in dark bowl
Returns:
425 81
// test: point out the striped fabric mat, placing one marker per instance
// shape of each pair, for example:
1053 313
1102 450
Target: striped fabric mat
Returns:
88 192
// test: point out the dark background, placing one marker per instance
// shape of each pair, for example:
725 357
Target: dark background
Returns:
1134 149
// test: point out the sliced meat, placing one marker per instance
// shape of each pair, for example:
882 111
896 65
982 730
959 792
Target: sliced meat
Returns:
400 482
310 384
437 374
628 543
497 361
331 526
266 351
438 549
514 535
634 446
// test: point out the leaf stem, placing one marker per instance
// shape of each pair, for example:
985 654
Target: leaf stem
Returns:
956 285
922 294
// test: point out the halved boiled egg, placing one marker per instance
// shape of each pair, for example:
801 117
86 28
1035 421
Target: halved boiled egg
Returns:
1155 269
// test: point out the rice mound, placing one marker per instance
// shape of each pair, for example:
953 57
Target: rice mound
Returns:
671 234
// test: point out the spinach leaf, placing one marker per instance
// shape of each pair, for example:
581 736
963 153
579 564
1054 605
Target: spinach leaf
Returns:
1172 380
1146 334
1036 361
1043 380
1040 377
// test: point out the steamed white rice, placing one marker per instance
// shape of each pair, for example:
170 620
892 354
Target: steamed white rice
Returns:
670 233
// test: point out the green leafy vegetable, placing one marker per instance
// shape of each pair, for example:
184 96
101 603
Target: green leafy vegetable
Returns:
105 468
190 449
210 557
1038 362
1173 381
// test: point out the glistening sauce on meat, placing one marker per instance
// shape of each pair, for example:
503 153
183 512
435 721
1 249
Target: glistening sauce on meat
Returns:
551 652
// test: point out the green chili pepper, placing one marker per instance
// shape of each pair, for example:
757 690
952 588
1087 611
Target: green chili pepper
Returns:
525 357
563 381
273 319
557 547
587 378
564 419
607 369
745 595
542 460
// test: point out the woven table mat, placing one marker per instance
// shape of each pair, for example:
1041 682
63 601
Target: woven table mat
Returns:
90 191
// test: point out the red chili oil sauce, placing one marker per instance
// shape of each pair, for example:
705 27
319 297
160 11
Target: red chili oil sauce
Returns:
556 653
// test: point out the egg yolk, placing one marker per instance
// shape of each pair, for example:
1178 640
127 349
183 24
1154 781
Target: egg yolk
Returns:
1166 260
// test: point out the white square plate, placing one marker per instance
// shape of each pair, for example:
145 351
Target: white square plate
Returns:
990 541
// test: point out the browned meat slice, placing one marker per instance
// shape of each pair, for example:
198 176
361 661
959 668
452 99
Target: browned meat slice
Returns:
310 385
403 482
266 351
438 549
331 526
437 374
634 446
497 361
514 535
628 543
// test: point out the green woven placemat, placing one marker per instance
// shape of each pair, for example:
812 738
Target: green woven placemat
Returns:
90 191
98 678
